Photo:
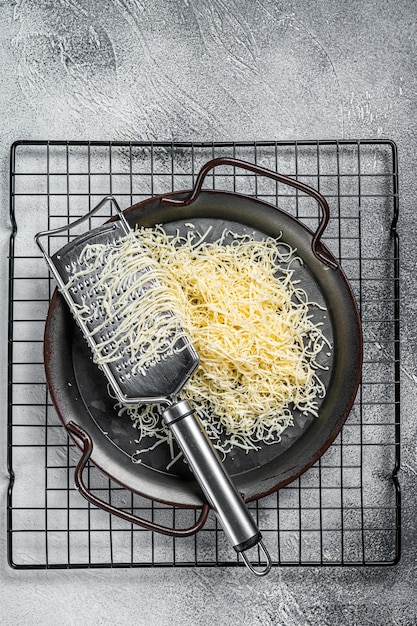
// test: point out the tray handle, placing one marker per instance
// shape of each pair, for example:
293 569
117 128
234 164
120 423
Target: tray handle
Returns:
316 246
87 448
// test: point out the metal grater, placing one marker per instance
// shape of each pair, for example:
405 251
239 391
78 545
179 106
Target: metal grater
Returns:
160 383
167 376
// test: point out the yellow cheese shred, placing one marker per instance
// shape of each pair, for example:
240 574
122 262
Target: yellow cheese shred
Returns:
127 305
252 327
250 322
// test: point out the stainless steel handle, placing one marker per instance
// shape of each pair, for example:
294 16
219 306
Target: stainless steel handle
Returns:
215 482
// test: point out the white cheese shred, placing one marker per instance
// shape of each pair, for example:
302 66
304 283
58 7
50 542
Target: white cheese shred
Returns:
249 319
127 304
251 324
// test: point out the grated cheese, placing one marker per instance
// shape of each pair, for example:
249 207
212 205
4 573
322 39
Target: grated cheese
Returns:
127 303
249 320
252 327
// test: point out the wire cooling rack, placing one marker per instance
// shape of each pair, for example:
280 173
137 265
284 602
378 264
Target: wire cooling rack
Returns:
345 510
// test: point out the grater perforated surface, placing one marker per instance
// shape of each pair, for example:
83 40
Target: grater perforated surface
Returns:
102 308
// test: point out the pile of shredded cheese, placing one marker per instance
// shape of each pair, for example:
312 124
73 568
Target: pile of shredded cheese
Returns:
252 327
249 320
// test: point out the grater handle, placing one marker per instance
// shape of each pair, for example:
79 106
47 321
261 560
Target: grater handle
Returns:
215 482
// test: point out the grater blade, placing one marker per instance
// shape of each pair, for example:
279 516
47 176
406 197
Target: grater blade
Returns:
131 384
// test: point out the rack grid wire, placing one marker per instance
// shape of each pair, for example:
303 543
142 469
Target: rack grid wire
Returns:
346 509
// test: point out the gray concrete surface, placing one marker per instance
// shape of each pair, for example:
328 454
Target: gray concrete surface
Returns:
232 70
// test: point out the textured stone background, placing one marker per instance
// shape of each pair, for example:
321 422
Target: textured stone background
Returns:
217 70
